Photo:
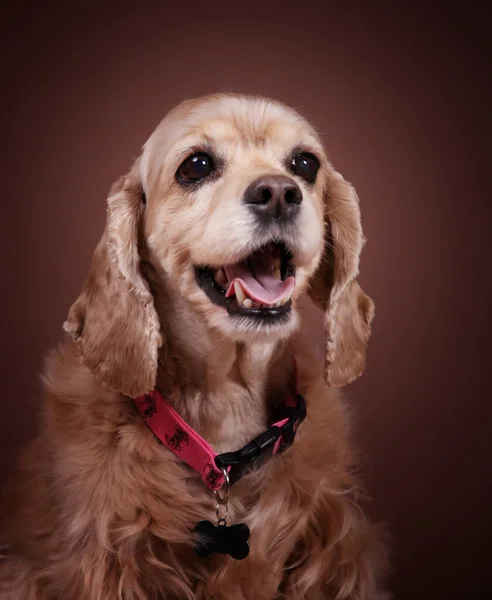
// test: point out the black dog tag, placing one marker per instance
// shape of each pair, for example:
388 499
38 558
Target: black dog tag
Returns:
221 539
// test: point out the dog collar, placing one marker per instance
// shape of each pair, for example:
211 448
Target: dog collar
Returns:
172 431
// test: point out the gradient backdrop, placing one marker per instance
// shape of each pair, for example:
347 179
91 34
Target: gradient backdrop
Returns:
399 96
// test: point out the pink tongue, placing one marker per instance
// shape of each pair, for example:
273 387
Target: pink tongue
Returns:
259 284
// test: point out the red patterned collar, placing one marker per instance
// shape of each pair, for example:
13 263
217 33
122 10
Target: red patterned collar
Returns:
172 431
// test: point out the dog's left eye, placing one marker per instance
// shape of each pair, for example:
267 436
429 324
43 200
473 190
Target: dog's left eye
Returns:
305 165
195 168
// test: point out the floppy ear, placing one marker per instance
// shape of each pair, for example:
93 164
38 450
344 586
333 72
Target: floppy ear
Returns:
113 321
348 311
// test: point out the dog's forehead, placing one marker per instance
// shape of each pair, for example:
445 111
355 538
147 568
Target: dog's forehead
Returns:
250 121
241 118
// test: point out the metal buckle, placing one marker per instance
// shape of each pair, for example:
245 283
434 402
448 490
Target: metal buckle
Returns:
252 455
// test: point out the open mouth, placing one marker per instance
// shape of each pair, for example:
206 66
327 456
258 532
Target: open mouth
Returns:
260 285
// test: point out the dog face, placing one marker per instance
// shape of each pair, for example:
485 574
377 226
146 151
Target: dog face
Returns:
236 207
234 213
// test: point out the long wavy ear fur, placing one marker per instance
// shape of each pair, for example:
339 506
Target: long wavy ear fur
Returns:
348 311
113 321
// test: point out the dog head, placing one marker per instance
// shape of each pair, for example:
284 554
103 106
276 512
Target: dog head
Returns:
235 205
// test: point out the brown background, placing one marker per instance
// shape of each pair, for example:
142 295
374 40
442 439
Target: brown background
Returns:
400 98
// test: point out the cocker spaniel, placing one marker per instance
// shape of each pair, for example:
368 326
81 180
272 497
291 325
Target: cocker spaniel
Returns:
191 445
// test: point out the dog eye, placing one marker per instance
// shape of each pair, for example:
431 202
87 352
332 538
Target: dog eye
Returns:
195 168
306 166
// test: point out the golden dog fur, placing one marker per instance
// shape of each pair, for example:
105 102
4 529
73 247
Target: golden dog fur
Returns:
97 509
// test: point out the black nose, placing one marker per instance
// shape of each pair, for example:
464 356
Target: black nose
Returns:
274 197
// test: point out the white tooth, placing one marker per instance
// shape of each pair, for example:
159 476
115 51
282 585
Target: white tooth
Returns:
286 298
248 303
276 273
240 295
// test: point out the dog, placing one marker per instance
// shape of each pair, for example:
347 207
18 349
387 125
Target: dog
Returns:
230 219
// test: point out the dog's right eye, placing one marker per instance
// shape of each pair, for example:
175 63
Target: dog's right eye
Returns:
195 168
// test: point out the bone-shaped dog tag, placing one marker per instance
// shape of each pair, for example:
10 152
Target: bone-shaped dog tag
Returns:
221 539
